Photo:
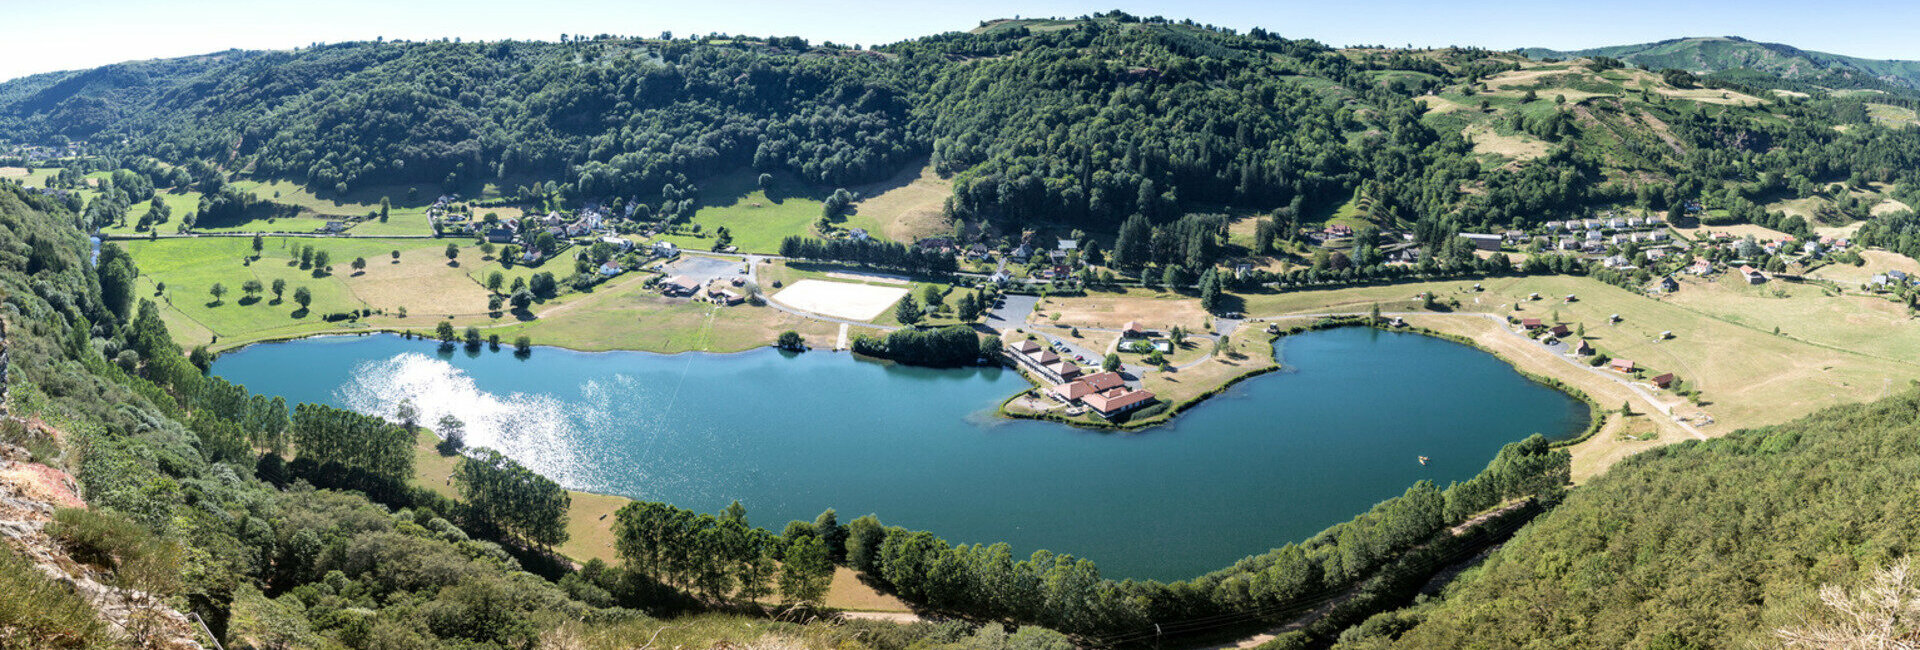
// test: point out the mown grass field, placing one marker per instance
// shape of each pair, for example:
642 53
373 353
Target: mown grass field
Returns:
760 219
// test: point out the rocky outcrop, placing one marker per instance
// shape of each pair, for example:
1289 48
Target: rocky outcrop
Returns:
30 492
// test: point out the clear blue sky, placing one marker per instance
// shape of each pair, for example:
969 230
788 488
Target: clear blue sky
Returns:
43 35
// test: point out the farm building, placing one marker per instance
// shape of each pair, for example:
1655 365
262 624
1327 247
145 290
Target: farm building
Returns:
1753 275
679 285
1485 242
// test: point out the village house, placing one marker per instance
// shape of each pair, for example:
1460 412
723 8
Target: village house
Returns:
1621 365
610 269
1664 285
619 244
1701 267
336 226
1583 349
1753 275
859 234
1560 332
1664 380
1133 329
664 248
1532 323
500 235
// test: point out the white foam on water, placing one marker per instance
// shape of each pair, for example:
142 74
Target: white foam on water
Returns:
535 430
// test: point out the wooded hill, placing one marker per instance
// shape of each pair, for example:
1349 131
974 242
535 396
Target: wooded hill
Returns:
1736 57
1078 122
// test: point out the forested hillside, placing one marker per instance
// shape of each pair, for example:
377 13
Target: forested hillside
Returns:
1714 544
1732 55
1083 123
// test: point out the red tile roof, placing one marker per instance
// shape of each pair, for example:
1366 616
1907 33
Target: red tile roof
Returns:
1116 400
1104 380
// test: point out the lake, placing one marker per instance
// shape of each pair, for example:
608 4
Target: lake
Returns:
1273 460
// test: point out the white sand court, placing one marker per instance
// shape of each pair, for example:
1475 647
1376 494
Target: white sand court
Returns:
862 302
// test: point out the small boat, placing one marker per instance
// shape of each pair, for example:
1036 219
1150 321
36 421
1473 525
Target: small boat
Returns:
1423 460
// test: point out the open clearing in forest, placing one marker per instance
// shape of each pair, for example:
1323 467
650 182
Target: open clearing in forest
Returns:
1518 147
758 219
861 302
908 206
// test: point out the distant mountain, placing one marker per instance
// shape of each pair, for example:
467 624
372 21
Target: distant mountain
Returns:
1732 54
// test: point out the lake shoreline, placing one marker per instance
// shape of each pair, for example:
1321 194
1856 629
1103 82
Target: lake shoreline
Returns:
692 478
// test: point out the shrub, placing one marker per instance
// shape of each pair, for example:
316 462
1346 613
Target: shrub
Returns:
98 537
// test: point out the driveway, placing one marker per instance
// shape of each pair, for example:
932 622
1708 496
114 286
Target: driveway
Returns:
1013 311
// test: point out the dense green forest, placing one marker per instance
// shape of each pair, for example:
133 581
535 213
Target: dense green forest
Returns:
1088 122
1711 544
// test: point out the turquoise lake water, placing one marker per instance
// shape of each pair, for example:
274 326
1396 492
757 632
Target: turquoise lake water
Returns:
1272 460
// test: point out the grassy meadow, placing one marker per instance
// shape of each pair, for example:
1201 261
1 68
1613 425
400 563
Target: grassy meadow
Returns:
760 219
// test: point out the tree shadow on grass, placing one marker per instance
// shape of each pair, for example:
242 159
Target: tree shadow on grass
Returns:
300 313
249 301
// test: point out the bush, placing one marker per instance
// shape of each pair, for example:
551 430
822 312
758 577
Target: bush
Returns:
98 537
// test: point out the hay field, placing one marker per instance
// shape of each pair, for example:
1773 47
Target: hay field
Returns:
1878 262
908 206
1156 310
861 302
1725 348
1518 147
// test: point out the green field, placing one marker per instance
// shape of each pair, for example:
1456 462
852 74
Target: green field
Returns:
189 267
758 219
